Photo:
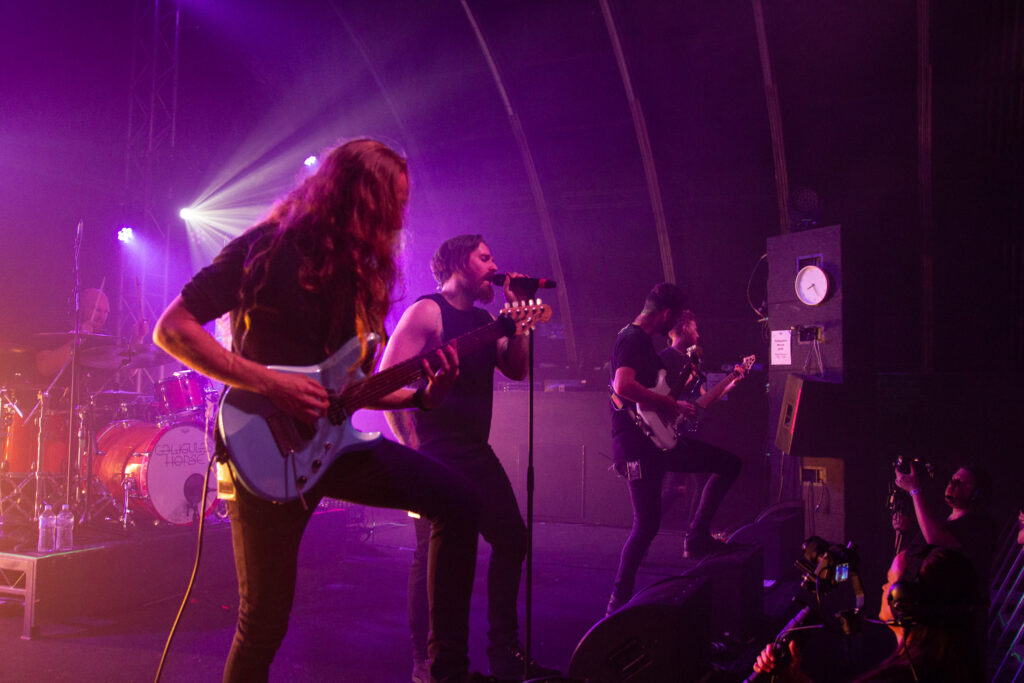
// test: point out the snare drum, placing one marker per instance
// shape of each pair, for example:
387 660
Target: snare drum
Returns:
185 395
21 444
165 463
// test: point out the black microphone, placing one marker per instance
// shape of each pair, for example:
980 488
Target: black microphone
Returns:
527 282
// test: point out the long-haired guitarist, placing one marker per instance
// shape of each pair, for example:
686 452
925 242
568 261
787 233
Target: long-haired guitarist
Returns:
457 434
319 270
635 368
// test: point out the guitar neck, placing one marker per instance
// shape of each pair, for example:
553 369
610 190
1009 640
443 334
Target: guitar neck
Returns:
367 391
716 392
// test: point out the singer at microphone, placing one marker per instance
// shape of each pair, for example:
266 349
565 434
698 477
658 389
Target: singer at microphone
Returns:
525 282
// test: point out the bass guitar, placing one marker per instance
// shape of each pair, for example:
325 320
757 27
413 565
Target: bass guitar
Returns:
278 457
665 432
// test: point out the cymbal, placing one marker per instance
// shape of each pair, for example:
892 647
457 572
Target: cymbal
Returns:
88 338
149 357
118 357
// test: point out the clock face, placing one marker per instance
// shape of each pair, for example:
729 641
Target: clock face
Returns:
811 285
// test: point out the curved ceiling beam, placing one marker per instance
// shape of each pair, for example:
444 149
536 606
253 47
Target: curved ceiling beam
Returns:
644 142
407 135
538 194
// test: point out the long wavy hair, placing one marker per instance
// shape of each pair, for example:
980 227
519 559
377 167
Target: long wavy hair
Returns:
345 221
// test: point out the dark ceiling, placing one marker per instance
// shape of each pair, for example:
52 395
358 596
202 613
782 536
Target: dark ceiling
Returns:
258 81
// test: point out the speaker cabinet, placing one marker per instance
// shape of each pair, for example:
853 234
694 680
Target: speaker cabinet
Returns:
779 530
662 634
737 589
811 418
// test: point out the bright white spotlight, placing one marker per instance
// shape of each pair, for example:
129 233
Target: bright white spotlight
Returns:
126 234
310 161
188 214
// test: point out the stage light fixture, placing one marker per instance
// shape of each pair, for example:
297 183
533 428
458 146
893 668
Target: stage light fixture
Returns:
126 234
188 214
310 161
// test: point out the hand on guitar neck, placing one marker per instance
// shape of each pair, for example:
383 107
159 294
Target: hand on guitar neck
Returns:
669 415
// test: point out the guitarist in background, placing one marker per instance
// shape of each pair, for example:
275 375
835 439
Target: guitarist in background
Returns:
319 270
683 373
457 434
635 365
686 378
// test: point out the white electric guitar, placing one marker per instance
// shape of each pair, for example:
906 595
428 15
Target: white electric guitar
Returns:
665 432
278 457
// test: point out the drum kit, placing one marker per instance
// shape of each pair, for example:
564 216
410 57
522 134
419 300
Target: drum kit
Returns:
127 455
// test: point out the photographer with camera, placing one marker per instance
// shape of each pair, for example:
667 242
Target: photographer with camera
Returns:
927 602
966 527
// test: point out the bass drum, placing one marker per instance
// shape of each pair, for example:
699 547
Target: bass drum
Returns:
165 465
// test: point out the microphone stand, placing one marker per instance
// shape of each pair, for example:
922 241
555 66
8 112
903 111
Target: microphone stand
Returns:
528 623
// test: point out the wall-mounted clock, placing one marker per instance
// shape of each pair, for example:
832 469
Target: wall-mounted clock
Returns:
811 285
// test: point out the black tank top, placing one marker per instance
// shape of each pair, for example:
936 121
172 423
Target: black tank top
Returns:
462 423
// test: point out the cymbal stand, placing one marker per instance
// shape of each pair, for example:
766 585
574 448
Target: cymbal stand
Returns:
73 384
85 450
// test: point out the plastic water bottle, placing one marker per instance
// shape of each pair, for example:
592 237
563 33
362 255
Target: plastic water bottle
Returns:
65 528
47 530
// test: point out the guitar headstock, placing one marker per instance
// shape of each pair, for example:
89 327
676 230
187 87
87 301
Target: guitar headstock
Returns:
526 314
744 366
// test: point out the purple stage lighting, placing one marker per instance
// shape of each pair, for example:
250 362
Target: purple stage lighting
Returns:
188 214
126 234
310 161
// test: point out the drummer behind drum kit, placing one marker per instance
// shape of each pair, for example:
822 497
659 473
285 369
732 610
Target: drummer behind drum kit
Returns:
140 454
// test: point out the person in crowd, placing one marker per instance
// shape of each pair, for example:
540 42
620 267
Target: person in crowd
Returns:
928 601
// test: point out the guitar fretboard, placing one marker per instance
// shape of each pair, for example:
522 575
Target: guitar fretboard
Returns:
367 391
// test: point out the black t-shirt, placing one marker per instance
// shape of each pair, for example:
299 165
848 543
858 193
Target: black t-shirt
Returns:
977 534
634 349
462 423
287 325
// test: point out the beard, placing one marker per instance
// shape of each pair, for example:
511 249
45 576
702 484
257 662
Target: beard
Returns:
485 292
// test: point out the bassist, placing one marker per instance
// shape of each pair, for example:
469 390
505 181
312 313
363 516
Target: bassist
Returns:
635 365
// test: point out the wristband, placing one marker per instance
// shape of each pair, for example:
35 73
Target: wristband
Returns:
915 492
417 399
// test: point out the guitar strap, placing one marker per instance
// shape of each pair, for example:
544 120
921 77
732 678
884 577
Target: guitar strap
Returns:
618 403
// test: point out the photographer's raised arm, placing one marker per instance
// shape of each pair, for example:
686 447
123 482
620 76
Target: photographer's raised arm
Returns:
927 507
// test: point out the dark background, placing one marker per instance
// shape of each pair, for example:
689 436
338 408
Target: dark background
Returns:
262 85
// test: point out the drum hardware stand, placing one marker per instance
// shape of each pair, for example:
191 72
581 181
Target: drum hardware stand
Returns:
87 446
101 502
14 498
74 379
129 489
5 423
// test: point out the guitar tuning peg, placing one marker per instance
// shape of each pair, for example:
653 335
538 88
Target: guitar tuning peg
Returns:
538 301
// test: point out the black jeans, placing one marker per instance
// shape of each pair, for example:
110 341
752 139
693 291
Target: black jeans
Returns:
502 527
645 493
266 540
